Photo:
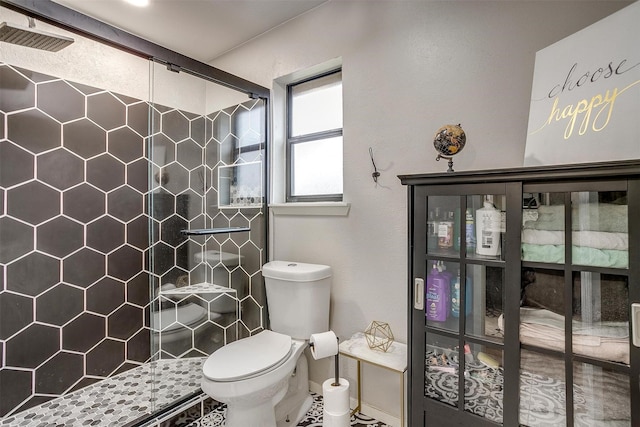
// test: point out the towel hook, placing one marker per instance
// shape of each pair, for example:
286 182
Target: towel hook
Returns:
375 173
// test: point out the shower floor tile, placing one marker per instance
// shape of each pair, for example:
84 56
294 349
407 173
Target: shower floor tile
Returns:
313 418
131 396
118 400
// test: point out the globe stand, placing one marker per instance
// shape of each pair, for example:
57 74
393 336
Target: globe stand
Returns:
440 156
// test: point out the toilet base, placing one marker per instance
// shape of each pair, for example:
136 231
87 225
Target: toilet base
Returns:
297 402
261 415
293 410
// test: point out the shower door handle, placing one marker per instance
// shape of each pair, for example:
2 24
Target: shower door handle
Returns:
418 294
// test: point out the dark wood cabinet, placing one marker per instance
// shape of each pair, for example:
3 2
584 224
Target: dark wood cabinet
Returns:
524 287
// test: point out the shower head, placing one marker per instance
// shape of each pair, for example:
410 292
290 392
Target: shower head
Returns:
31 37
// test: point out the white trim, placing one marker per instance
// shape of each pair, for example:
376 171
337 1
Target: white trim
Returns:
366 409
311 208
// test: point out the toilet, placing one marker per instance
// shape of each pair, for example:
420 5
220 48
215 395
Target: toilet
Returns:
263 379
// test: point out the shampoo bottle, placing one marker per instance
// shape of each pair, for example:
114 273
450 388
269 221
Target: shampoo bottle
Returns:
488 224
455 296
470 232
448 277
437 295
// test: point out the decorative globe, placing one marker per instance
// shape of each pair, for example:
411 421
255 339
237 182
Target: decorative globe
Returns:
449 140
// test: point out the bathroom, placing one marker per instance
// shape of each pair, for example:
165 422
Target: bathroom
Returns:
383 54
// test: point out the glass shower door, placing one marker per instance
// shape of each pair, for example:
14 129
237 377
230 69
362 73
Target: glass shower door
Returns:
206 216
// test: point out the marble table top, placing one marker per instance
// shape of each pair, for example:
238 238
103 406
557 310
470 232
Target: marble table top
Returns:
356 347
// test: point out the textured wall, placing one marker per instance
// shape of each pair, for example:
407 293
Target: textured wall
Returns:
409 67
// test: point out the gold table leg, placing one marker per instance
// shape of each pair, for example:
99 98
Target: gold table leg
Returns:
359 407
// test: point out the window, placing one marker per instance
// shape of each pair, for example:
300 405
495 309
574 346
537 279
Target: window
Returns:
314 139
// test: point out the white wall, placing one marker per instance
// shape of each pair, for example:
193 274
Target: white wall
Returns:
409 67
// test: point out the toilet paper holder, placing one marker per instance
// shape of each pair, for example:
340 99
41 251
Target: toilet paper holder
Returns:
336 381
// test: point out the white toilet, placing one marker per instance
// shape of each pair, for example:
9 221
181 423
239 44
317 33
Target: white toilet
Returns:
263 379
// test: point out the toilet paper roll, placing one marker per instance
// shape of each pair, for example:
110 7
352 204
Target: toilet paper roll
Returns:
323 345
332 420
336 398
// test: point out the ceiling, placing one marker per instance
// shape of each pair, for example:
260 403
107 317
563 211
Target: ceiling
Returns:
200 29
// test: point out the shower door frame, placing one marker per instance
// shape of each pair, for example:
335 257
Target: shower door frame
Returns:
73 21
85 26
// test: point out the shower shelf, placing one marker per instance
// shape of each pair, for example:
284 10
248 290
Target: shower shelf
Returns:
207 231
199 288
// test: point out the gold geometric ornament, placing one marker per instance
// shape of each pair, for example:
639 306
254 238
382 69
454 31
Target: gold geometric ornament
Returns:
379 336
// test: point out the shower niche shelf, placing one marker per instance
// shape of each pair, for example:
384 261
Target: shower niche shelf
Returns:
207 231
240 186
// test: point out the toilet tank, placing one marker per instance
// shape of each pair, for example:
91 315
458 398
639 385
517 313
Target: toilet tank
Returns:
297 297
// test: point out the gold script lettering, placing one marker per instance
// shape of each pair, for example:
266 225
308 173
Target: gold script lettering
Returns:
600 105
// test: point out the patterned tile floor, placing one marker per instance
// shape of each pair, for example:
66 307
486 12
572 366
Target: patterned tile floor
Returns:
119 400
131 396
313 418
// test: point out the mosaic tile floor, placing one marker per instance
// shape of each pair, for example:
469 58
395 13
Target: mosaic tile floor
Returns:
119 400
129 397
313 418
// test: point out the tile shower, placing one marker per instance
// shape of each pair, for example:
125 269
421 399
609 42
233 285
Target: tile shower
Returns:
95 190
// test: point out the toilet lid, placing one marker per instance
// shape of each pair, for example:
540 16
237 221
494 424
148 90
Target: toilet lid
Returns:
247 357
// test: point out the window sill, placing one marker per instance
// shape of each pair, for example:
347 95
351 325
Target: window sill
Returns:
311 208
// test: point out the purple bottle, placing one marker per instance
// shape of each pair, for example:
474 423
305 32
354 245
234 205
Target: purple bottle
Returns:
437 295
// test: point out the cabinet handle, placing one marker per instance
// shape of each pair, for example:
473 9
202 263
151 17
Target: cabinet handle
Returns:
418 294
635 323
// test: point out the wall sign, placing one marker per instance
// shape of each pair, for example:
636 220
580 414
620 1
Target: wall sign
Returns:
585 99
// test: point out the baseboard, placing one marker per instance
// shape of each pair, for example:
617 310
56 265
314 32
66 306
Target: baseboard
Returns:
366 409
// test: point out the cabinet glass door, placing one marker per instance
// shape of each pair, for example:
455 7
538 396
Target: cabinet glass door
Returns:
464 288
574 315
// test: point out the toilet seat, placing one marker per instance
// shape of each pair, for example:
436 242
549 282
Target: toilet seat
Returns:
248 357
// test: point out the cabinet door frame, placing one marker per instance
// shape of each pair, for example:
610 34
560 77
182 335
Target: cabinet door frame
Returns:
423 410
632 188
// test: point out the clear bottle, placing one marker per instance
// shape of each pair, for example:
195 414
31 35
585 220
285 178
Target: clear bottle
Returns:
445 232
432 232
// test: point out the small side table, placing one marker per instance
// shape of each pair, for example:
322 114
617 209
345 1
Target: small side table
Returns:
395 359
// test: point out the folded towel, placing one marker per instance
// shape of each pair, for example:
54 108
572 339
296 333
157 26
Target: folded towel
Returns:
581 255
586 216
602 340
619 330
591 239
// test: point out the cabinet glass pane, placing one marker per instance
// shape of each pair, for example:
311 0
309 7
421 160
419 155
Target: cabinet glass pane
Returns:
441 369
600 397
543 236
443 225
542 308
442 309
542 390
485 226
483 381
600 230
601 316
484 301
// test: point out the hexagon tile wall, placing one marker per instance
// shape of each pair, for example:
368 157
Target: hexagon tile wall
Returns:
75 251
